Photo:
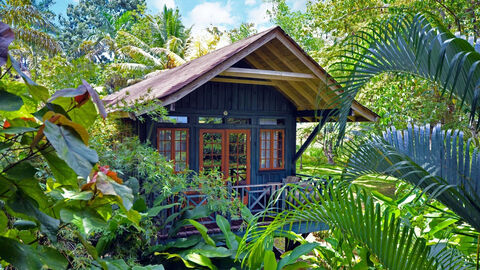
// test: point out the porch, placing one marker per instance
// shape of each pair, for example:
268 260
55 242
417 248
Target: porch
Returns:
257 198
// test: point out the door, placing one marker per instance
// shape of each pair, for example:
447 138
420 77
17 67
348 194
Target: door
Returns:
228 151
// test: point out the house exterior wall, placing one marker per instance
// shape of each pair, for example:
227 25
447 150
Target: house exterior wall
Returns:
213 99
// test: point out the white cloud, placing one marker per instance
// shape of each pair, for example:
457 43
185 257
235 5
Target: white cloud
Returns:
210 13
259 14
298 4
158 4
250 2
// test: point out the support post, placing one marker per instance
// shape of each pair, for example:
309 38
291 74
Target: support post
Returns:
310 138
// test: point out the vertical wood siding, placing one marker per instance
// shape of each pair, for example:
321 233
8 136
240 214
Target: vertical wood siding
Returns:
239 100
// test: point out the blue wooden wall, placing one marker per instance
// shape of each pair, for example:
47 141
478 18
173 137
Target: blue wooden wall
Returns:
239 100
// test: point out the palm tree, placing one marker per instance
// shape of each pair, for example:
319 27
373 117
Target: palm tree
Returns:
164 46
138 55
28 24
169 45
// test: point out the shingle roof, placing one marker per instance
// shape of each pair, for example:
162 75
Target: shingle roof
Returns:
171 85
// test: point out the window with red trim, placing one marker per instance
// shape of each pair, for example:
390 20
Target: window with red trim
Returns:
271 149
172 143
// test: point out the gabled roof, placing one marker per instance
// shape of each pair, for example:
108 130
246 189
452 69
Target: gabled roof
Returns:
269 51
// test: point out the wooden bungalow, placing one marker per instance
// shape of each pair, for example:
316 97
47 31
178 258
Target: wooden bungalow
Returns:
236 109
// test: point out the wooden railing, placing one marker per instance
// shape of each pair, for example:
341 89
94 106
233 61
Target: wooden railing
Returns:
257 198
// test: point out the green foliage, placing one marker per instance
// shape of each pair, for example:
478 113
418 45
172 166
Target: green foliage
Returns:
88 18
145 170
75 190
409 44
58 73
433 160
357 216
29 25
297 25
243 31
192 252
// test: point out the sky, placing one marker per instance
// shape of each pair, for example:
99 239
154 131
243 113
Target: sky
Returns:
226 14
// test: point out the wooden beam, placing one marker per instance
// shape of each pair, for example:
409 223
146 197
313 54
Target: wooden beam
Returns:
242 81
315 113
266 74
295 85
322 75
310 139
297 101
327 97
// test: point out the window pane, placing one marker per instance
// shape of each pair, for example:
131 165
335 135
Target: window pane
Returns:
271 121
176 147
238 121
210 120
183 146
271 149
174 119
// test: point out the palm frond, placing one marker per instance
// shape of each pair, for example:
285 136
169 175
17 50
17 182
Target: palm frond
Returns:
37 38
439 162
450 258
174 44
19 13
356 214
174 60
140 56
131 66
131 40
409 44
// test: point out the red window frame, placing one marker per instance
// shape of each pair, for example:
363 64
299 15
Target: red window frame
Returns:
172 142
270 160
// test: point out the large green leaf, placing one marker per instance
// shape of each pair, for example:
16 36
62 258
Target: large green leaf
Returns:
71 149
10 102
85 115
61 171
301 250
24 204
85 220
178 243
210 251
230 238
200 260
203 231
23 256
38 92
269 261
110 187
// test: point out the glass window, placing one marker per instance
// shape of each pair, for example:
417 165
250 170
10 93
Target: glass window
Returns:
210 120
172 143
239 121
175 119
271 149
271 121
